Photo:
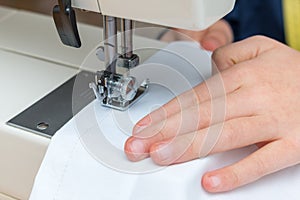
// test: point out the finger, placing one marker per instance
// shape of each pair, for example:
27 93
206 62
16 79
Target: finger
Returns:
273 157
193 118
217 86
217 35
212 42
233 134
200 116
238 52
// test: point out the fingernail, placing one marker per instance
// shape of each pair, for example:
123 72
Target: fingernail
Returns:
137 146
137 150
214 181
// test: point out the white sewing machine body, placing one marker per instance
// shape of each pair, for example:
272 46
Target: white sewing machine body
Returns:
22 151
114 89
27 54
186 14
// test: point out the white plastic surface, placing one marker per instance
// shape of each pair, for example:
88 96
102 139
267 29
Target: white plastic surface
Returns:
23 80
5 13
33 62
40 39
91 5
35 34
6 197
186 14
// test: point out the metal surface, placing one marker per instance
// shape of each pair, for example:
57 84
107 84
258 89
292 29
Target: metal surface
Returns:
128 63
112 89
117 91
110 42
50 113
126 38
141 91
127 59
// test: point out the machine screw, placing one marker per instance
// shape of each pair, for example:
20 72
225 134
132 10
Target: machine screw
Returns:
100 53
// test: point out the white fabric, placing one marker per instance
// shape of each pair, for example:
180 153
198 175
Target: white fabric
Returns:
85 159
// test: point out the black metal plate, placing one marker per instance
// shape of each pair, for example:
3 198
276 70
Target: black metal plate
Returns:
50 113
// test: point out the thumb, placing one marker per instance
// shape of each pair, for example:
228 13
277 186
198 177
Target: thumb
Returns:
217 35
211 43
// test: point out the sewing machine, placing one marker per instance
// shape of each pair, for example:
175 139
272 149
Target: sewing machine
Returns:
120 90
29 56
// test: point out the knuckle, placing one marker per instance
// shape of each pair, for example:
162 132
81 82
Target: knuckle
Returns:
260 168
204 117
193 148
196 146
229 134
263 39
169 128
163 135
235 179
259 38
292 143
273 122
217 54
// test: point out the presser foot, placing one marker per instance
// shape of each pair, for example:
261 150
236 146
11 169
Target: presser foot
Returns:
117 91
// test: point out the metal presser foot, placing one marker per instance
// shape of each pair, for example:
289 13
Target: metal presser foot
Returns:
117 91
112 89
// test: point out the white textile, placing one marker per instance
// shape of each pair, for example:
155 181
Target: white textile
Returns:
85 159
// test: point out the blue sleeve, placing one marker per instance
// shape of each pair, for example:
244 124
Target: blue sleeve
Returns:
257 17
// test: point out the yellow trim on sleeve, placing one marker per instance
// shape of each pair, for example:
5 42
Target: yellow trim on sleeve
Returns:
291 17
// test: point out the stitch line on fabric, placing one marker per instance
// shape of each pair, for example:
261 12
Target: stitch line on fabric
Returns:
65 170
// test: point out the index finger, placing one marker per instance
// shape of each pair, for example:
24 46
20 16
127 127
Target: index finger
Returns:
230 55
217 86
